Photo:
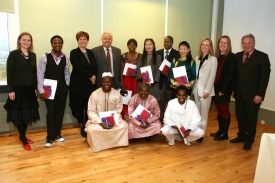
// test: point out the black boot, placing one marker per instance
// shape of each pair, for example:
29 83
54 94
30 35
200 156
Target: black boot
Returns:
220 127
224 134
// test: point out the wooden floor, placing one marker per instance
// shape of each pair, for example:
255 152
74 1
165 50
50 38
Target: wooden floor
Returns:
144 162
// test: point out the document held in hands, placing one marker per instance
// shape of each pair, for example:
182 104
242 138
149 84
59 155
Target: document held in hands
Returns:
180 75
129 69
146 74
141 114
49 87
126 95
109 118
165 66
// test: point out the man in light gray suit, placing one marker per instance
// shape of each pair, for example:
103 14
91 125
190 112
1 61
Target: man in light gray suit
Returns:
108 59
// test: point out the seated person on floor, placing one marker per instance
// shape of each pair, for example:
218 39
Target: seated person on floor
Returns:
184 113
101 134
144 123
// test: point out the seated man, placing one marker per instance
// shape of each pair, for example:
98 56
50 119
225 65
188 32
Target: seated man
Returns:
181 111
99 135
138 128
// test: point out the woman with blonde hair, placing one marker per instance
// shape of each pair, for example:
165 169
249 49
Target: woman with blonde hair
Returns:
206 66
22 105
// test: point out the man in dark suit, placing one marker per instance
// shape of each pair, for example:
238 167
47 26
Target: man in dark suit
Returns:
253 71
169 54
108 59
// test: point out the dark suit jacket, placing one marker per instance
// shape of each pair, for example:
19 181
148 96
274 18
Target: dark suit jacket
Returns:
164 79
101 61
252 77
227 79
80 84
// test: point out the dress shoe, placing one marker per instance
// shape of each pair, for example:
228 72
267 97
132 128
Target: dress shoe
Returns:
83 133
28 140
27 147
215 134
221 137
247 147
237 140
200 140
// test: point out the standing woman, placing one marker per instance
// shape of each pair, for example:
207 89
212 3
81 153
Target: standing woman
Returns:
184 58
206 66
83 79
22 105
129 82
150 58
224 83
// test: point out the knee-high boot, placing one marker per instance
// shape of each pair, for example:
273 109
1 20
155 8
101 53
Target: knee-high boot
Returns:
220 128
225 126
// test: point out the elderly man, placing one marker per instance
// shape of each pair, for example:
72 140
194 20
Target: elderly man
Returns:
138 128
253 72
101 135
108 59
182 112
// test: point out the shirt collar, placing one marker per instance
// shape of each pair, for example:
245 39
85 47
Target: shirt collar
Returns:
105 49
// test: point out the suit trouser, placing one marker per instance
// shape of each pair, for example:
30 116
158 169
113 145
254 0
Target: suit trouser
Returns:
55 114
203 107
165 96
247 116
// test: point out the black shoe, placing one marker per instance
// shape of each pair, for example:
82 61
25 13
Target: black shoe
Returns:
48 143
200 140
83 133
215 134
247 147
59 138
237 140
221 137
148 139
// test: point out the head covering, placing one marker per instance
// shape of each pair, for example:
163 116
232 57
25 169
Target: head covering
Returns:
105 74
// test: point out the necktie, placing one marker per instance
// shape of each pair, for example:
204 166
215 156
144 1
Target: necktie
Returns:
246 58
108 60
166 55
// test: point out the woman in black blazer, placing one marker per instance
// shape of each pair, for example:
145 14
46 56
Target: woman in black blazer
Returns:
83 79
224 84
22 105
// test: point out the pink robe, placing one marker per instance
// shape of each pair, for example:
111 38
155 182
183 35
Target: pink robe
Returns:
151 104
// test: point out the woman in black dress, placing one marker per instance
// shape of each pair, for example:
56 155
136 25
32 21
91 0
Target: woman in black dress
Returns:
83 78
22 105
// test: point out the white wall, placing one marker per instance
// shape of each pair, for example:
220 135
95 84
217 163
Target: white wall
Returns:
257 17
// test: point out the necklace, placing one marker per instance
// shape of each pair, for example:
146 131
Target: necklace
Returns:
26 56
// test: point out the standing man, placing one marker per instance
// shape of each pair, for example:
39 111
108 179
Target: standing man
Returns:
253 71
108 59
168 53
55 66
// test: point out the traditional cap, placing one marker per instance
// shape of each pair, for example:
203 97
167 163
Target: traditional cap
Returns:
105 74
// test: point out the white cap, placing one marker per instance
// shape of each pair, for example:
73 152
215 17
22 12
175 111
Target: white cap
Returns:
105 74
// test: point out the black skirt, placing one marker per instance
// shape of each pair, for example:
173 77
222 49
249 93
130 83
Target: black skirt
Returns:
24 109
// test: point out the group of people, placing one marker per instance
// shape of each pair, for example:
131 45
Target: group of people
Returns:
97 74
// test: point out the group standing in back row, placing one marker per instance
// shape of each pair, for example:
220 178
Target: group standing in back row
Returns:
209 75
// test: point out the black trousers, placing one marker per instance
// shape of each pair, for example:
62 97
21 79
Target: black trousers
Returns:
247 116
79 109
55 114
